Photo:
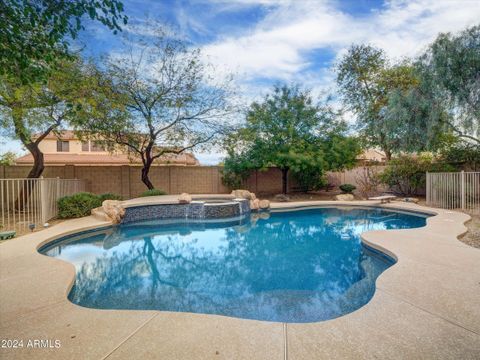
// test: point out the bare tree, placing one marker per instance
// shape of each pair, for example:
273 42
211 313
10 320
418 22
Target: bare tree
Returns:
167 100
368 181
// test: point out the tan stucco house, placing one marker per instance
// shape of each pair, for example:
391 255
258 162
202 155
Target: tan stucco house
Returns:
369 156
66 149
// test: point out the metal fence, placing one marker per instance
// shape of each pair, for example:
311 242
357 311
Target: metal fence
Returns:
32 202
456 190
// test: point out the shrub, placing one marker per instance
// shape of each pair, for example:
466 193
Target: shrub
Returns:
368 181
77 205
347 188
153 192
236 170
109 196
465 156
406 174
310 179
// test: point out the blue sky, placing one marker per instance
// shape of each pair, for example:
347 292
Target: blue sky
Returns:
263 42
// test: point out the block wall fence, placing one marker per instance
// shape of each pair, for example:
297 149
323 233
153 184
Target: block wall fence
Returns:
126 181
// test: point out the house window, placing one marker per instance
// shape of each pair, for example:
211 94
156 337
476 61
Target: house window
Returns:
63 146
85 146
96 146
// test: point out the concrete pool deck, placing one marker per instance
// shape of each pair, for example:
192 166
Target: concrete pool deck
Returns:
427 305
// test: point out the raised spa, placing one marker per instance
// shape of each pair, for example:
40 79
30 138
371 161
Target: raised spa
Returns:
291 266
199 209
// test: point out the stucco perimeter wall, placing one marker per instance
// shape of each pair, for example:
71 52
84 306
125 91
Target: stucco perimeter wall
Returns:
126 180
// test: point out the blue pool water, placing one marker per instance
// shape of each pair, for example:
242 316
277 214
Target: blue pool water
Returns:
296 266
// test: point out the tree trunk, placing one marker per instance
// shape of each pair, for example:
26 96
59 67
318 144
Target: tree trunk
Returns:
35 172
24 135
284 180
32 146
38 164
388 154
145 171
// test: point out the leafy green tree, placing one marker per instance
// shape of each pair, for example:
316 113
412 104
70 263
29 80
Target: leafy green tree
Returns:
158 100
415 118
35 34
30 112
452 62
365 80
445 101
289 131
8 158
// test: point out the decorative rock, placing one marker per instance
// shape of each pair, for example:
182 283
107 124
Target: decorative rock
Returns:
281 198
264 204
114 210
243 194
239 193
99 214
254 204
344 197
411 199
185 198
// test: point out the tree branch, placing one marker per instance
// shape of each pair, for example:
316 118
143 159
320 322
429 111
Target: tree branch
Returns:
461 134
191 146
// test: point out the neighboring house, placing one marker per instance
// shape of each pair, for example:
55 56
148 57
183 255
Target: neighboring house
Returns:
371 156
67 149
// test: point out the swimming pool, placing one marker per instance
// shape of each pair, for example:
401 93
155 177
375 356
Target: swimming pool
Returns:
292 266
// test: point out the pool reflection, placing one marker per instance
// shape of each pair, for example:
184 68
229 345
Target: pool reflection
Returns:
299 266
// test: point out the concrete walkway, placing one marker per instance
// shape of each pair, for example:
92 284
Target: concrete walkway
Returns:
426 306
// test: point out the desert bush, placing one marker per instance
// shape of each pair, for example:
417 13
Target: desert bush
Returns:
347 188
310 180
406 174
368 181
153 192
77 205
109 196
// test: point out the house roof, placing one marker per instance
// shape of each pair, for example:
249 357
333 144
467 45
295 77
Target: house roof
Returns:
107 159
63 135
371 154
186 158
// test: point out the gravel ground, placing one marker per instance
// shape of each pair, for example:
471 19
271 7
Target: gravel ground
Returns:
472 237
24 231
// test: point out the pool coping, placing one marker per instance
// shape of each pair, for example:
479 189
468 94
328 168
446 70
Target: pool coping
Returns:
431 298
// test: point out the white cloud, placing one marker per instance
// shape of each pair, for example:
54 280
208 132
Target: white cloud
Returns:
278 45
